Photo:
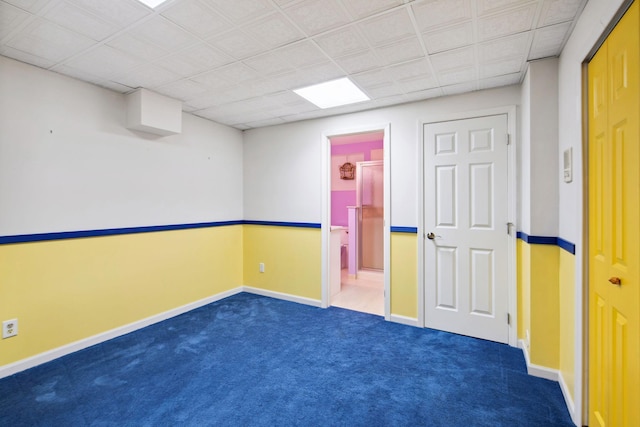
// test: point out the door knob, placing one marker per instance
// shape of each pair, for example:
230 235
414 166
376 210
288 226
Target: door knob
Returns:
431 236
616 281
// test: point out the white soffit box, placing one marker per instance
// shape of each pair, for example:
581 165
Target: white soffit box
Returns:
153 113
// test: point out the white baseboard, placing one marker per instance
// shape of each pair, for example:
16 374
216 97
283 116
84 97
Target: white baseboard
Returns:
409 321
537 370
282 296
50 355
568 400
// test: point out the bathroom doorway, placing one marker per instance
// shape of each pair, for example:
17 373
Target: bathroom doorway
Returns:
357 227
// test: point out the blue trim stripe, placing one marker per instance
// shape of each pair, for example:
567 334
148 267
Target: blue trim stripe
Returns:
567 245
404 229
547 240
24 238
40 237
283 224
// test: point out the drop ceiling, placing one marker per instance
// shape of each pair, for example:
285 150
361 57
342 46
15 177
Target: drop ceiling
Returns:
237 62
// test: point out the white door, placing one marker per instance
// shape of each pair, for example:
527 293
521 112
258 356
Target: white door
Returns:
465 227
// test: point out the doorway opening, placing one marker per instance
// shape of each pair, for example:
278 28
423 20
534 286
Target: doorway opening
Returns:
356 218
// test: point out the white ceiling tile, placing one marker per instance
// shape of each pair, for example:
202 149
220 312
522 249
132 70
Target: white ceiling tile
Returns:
236 73
273 30
320 73
556 11
11 18
81 21
182 89
486 7
507 47
410 70
148 75
423 94
438 13
418 83
342 42
457 76
119 12
207 100
105 61
460 88
453 59
139 48
285 98
76 74
117 87
263 123
500 68
194 16
317 16
507 23
48 40
261 87
548 41
363 8
359 62
25 57
206 55
507 80
269 64
383 91
240 11
237 44
211 80
390 101
387 28
401 51
160 31
449 38
32 6
302 54
372 79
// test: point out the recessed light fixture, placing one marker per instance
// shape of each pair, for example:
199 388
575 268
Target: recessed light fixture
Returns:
152 3
333 93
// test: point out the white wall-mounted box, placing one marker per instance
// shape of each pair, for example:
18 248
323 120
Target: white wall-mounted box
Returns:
153 113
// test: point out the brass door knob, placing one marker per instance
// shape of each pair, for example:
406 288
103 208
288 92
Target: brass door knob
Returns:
616 281
431 236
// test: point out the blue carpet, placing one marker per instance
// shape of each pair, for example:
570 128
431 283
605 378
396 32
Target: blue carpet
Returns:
249 360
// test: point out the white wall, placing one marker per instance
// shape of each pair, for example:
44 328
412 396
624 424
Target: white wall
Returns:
539 169
282 164
67 162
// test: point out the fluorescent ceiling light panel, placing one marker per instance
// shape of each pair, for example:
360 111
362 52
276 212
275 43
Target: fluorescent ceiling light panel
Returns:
332 93
152 3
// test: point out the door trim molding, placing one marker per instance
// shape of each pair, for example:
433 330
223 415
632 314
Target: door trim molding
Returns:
510 111
326 207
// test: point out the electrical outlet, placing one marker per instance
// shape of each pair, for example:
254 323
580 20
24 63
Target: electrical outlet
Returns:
9 328
261 267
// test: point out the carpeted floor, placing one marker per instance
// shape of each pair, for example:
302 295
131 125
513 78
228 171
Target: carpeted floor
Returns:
255 361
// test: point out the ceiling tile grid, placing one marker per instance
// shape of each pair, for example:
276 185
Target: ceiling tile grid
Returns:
237 62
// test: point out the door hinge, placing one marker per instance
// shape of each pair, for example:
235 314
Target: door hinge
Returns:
508 139
508 318
509 225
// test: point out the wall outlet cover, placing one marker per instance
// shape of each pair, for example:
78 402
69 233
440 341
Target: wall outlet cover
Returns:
9 328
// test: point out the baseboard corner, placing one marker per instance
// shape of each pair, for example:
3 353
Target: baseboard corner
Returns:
403 320
282 296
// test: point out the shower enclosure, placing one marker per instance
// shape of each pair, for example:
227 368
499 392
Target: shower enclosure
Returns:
370 201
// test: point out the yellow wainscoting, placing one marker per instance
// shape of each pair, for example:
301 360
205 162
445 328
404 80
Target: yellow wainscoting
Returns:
291 256
539 302
404 279
67 290
567 319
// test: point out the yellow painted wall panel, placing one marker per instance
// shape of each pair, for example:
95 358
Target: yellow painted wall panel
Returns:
404 279
292 259
66 290
567 319
544 306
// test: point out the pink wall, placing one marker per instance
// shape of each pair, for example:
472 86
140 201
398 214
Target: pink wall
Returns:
343 192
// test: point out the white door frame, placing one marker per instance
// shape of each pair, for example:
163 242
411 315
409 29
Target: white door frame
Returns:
512 286
326 208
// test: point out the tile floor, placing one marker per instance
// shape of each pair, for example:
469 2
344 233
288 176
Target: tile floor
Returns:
364 294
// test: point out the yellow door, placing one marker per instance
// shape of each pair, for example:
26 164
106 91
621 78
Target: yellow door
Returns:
614 227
